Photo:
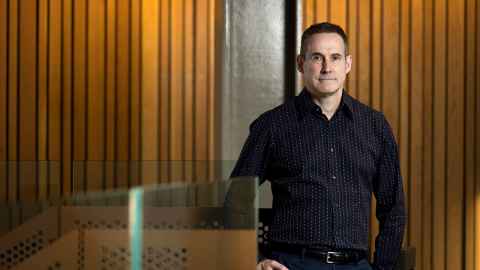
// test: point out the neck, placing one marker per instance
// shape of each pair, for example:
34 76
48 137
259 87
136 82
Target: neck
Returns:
328 103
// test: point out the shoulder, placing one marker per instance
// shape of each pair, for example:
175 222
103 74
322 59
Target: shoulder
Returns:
368 116
276 115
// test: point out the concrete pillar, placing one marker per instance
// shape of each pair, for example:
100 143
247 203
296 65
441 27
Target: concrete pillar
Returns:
258 66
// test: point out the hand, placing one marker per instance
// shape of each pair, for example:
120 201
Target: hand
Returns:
270 265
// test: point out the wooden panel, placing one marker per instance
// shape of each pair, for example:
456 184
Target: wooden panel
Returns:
352 12
390 75
189 66
309 12
27 99
469 199
404 86
211 94
96 98
477 139
12 111
363 58
377 50
150 88
111 96
104 80
201 89
321 11
122 118
439 141
67 97
338 12
455 134
135 91
42 99
80 47
422 72
165 90
54 94
416 127
3 100
376 82
425 262
176 90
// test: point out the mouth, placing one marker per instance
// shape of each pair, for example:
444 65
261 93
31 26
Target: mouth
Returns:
326 79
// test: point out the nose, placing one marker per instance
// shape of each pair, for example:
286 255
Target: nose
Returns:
326 66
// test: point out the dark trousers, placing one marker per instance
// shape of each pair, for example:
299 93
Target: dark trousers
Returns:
299 262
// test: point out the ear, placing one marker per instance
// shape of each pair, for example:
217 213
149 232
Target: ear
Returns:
348 63
300 61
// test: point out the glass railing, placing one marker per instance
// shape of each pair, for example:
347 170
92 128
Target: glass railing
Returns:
162 215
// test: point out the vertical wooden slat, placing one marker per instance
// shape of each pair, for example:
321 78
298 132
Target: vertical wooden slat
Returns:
176 130
455 134
338 12
3 100
12 100
376 85
376 52
201 90
189 89
211 108
321 11
439 140
404 86
42 137
477 137
150 85
123 86
80 93
351 30
416 127
96 95
67 95
27 102
135 90
390 62
308 12
364 58
111 94
469 200
165 91
54 97
428 180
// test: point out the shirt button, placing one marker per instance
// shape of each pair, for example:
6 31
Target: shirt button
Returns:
334 177
331 149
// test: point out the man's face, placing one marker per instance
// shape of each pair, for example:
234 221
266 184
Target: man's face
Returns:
324 65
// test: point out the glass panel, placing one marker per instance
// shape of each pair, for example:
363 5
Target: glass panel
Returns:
197 223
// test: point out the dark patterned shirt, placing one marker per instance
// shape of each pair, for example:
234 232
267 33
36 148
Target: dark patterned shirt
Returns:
323 173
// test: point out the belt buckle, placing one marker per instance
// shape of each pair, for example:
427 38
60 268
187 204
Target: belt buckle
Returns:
329 256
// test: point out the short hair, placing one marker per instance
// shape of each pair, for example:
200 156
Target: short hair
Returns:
324 27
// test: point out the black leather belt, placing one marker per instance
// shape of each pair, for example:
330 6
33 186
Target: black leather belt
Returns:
325 255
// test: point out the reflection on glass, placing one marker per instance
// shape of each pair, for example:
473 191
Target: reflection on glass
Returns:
193 224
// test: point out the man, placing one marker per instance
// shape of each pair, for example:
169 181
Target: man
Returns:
325 153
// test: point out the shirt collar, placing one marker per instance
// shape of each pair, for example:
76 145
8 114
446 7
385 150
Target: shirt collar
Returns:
306 105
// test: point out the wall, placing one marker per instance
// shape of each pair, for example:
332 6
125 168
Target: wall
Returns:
104 80
418 61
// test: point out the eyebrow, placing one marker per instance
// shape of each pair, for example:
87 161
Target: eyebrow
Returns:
320 54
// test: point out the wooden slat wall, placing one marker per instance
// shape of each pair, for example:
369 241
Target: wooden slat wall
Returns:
418 61
108 80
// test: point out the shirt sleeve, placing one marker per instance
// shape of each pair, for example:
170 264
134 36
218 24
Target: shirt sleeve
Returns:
391 214
253 160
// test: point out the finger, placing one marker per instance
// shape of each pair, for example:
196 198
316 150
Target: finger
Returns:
277 266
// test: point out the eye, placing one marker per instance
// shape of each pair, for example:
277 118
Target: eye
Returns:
316 57
336 58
